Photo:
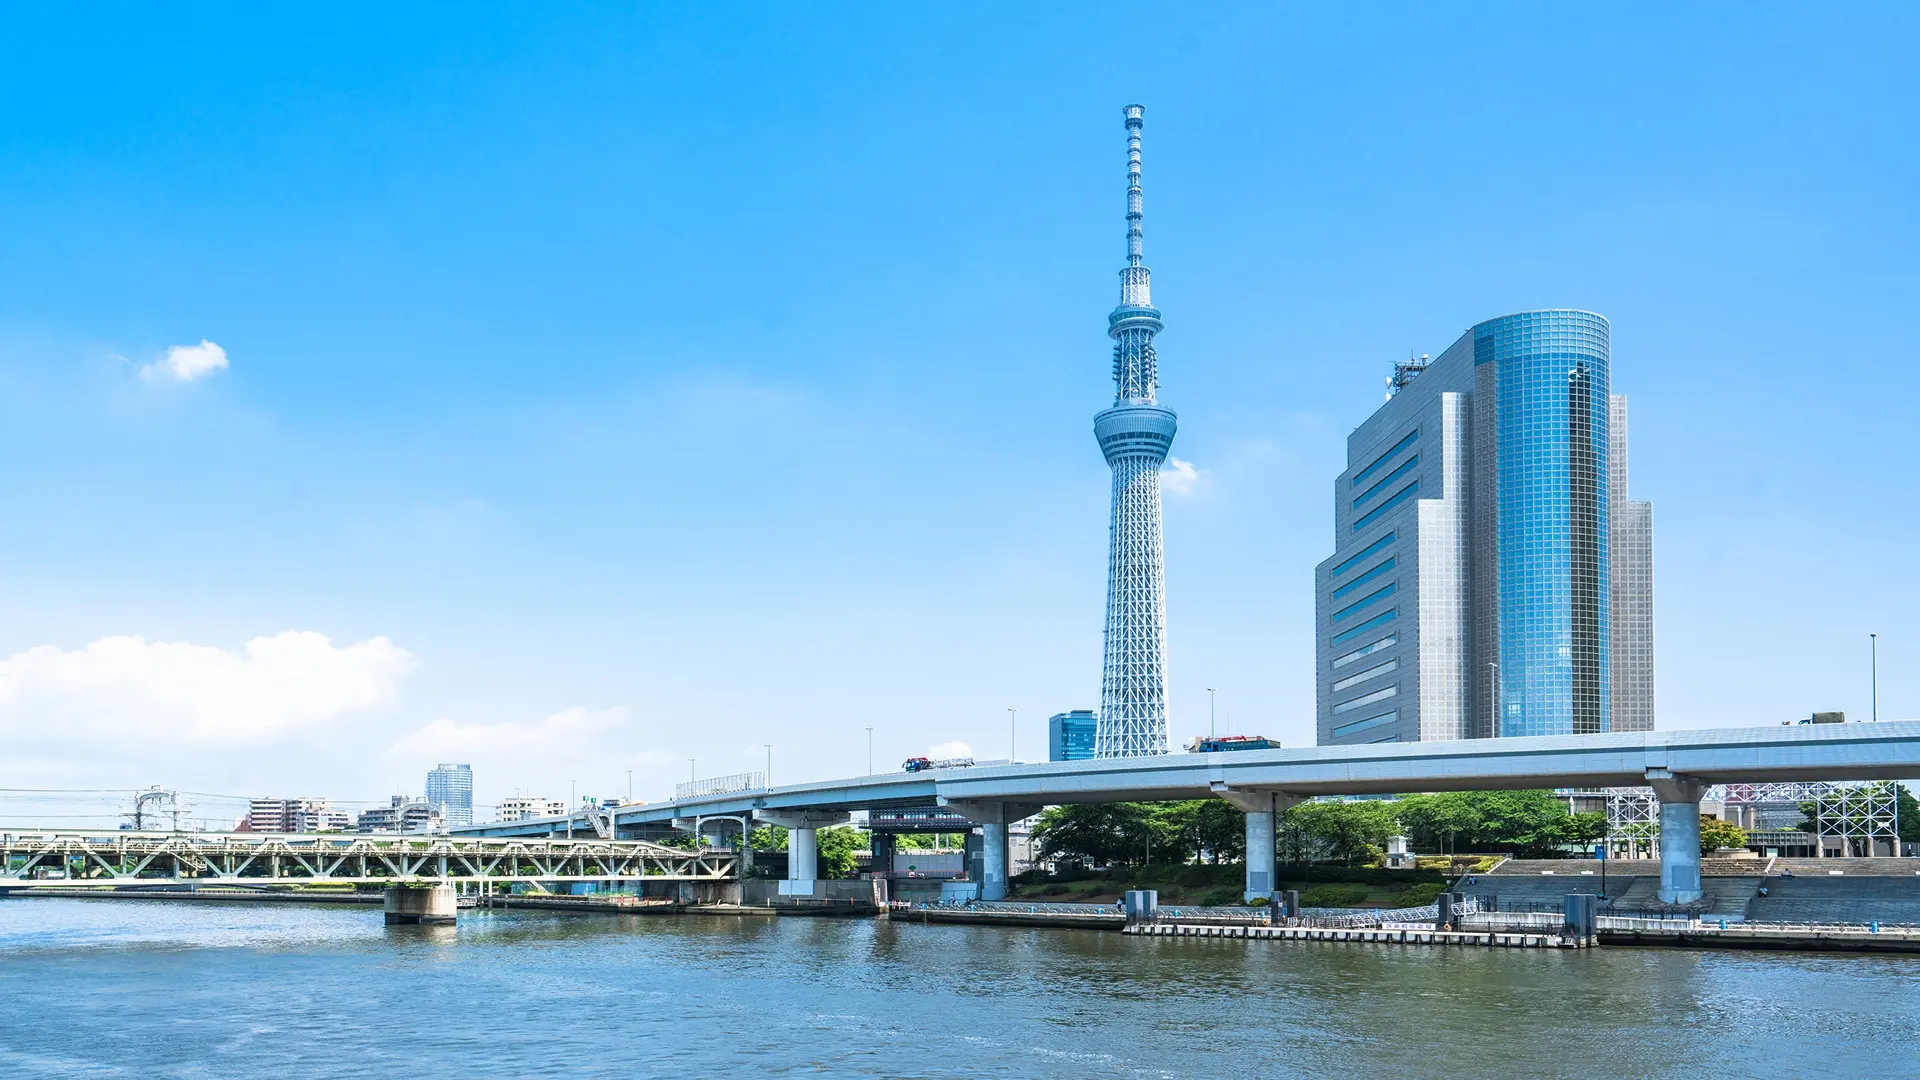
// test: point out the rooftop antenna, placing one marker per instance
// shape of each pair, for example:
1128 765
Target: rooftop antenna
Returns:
1405 370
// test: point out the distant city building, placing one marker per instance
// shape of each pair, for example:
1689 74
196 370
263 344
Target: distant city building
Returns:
450 787
520 808
274 815
1490 576
402 814
1070 735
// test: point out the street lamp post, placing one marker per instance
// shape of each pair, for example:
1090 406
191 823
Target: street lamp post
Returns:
1873 644
869 751
1493 699
766 781
1211 733
573 796
1013 751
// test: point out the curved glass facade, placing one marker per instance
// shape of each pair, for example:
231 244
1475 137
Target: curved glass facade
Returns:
1550 375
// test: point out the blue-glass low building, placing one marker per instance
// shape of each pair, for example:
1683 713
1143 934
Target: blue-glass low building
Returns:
1070 735
1489 575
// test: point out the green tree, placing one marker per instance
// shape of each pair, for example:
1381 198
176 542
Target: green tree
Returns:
837 846
1440 822
1094 834
1587 829
1220 830
1908 808
1350 832
1529 823
770 838
1715 833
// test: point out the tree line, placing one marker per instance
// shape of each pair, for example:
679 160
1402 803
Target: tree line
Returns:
1523 823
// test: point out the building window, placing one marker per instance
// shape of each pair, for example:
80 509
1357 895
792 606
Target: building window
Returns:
1362 579
1370 722
1370 550
1412 463
1371 673
1381 694
1361 476
1398 497
1366 601
1354 632
1366 650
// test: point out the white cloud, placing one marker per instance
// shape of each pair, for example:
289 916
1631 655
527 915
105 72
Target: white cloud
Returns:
1181 477
186 363
949 750
592 746
121 690
563 733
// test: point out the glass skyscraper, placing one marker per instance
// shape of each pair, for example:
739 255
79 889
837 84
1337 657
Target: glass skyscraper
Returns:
1489 575
450 790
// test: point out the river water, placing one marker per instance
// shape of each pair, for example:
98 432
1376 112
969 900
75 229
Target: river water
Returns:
159 989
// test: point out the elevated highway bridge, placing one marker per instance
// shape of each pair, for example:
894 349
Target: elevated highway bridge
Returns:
1678 765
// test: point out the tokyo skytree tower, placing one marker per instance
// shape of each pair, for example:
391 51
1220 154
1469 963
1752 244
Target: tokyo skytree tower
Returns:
1135 435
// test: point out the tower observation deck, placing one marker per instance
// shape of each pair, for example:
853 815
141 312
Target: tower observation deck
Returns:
1135 435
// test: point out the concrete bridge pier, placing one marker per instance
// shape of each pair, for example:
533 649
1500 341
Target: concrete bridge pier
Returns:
803 845
1263 810
993 819
415 905
1679 835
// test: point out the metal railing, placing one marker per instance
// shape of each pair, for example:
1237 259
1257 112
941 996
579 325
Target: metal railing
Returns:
1040 907
1350 919
720 785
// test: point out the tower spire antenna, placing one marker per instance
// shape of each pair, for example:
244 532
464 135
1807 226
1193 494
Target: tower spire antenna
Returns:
1136 119
1135 436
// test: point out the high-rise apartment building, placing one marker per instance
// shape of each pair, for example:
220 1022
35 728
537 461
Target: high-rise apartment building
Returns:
1490 576
1135 435
450 790
1070 735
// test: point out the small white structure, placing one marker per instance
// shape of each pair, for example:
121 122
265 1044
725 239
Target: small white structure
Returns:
1399 853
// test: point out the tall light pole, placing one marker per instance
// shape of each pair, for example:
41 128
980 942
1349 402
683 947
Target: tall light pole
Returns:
767 780
693 770
1211 733
629 785
869 751
1013 750
1873 644
573 789
1493 699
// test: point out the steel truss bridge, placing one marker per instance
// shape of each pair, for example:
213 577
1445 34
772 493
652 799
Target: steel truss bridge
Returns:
122 859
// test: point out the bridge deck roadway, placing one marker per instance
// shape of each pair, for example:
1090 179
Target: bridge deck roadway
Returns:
1888 751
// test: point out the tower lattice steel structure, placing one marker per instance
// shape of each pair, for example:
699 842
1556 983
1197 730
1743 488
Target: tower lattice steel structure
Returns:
1135 435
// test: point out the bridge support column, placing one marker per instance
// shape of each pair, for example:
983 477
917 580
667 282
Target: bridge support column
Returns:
1679 835
803 845
993 879
996 857
803 858
436 904
1263 810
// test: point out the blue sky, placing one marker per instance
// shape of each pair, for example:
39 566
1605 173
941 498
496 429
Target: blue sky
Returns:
630 384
